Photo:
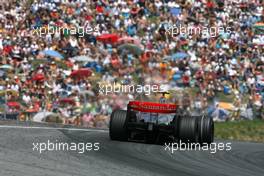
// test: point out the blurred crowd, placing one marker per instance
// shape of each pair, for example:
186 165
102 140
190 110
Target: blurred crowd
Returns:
129 44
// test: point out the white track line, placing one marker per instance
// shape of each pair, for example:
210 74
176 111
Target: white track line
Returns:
52 128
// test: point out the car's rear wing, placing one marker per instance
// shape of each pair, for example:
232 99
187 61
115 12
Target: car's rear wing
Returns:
152 107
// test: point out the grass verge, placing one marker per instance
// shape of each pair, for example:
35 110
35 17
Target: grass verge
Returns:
240 130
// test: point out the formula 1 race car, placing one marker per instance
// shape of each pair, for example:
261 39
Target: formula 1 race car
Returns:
158 123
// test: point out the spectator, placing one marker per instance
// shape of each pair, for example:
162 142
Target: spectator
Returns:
226 61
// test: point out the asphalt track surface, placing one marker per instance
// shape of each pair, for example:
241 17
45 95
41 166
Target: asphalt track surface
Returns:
17 157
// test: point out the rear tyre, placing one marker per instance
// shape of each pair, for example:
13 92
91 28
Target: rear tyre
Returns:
188 129
150 139
205 130
117 129
176 124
